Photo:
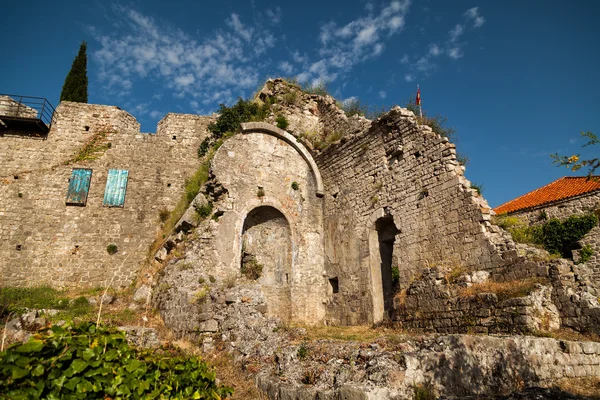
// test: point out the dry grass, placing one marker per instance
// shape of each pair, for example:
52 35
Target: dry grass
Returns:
504 290
569 334
360 333
589 386
236 376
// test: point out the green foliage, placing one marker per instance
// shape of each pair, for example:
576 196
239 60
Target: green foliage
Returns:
90 362
319 88
295 185
585 254
231 118
204 146
17 300
112 249
353 107
282 122
395 275
559 237
203 210
163 214
424 392
555 236
92 149
302 351
251 268
575 163
478 188
260 192
76 82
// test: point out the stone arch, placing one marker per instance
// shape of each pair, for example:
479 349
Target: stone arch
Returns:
382 232
266 247
263 127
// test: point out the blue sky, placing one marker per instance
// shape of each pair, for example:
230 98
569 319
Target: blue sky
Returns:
518 80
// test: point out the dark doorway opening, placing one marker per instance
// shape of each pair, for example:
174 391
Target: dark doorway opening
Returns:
386 235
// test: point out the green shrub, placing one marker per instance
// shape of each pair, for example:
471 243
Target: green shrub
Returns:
353 107
260 192
395 275
559 237
90 362
112 249
319 88
585 254
302 351
163 214
555 236
203 210
282 122
295 185
231 118
204 146
251 268
478 188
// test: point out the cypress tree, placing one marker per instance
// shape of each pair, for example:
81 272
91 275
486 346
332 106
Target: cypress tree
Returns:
76 82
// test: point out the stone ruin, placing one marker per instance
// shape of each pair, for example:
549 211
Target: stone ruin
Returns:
335 220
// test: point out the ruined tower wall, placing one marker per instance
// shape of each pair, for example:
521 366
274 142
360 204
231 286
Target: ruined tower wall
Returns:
44 241
400 169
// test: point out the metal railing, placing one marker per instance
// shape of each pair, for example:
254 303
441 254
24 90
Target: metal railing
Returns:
26 108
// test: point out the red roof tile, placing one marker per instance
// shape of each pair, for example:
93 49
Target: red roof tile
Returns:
560 189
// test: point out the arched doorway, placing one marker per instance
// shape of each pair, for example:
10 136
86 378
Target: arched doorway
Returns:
386 236
267 257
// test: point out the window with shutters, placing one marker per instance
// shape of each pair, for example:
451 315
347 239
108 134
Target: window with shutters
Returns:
79 186
116 186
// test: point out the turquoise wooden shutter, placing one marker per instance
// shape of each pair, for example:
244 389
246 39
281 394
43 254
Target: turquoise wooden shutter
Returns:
116 186
79 186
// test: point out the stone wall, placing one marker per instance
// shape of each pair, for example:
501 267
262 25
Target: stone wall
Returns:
584 204
405 171
44 241
255 200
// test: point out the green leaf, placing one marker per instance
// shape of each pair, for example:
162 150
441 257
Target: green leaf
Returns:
78 365
18 372
37 371
84 387
133 365
32 346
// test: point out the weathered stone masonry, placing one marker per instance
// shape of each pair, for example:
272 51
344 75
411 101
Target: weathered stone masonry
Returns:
43 241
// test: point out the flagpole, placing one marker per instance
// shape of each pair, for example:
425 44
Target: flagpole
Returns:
420 106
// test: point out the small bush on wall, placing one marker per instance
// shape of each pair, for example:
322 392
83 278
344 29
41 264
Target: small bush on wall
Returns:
112 249
282 122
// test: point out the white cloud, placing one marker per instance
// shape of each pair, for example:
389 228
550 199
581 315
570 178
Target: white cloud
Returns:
455 53
456 33
343 46
382 94
274 15
452 46
473 14
435 50
286 67
235 23
185 80
140 48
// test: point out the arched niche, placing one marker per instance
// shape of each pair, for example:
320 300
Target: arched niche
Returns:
263 127
266 256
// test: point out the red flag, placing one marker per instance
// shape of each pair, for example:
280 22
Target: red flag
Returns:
418 96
